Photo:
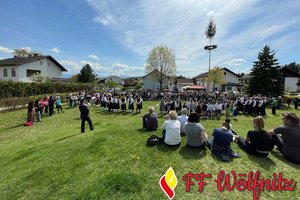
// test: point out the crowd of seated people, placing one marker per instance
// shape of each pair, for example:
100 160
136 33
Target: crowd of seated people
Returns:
258 141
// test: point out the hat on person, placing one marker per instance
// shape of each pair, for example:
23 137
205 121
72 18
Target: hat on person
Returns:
291 117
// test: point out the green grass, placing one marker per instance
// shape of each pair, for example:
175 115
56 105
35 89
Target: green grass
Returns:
52 160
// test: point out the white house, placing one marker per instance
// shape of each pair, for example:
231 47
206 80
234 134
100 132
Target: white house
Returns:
22 68
150 82
115 79
291 79
184 82
231 79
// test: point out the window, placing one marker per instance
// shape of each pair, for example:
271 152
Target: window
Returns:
225 73
49 64
229 88
41 62
30 72
13 72
5 72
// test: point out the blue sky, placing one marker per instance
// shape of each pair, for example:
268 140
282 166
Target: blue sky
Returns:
116 36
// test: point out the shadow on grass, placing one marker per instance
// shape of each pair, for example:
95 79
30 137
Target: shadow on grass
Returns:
190 153
154 132
165 148
64 138
280 157
16 126
264 162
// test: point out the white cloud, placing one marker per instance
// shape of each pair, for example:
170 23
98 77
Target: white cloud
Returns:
55 49
93 56
235 61
243 27
26 48
181 58
123 69
72 66
6 50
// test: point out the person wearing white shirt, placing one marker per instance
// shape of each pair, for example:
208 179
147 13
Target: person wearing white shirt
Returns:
171 130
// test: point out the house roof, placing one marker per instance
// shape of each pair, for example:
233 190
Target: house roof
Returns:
206 73
224 68
185 80
246 76
289 73
155 71
23 60
201 75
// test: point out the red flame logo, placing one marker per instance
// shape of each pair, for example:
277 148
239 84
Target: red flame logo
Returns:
168 182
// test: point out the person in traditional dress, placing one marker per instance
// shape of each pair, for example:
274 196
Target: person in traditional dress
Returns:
123 104
139 104
130 104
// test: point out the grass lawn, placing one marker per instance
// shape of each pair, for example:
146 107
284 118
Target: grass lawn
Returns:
53 160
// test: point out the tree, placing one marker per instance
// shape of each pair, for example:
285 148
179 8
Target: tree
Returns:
267 78
111 84
21 52
216 76
162 59
87 74
294 67
211 30
74 78
210 33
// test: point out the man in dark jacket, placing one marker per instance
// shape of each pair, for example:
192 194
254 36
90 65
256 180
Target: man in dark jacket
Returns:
220 144
150 121
84 115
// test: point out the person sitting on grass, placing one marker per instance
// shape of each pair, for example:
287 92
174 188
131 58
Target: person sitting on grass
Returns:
258 142
287 137
227 120
150 121
171 130
195 133
183 119
220 144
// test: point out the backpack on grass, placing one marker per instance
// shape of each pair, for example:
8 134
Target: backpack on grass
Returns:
154 140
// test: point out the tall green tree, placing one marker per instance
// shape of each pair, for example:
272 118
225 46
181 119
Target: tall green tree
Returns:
162 59
267 78
294 67
87 74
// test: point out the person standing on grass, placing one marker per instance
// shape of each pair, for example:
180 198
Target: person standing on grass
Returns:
274 105
46 101
258 142
296 102
51 105
58 104
139 104
287 137
85 116
37 108
30 114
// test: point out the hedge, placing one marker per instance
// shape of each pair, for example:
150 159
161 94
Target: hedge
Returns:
10 89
